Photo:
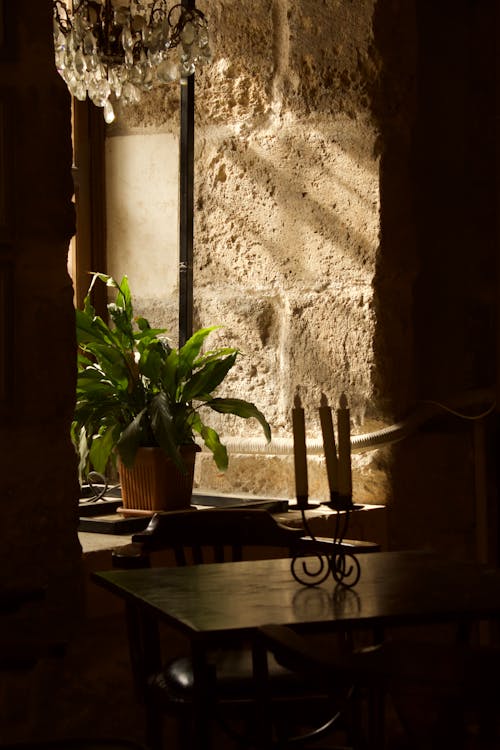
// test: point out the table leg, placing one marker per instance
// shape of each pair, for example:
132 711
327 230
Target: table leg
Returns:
202 698
148 662
264 733
144 648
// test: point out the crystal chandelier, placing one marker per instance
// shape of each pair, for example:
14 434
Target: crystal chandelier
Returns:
118 49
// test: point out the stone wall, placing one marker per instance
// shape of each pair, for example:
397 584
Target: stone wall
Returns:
287 215
344 169
39 489
445 479
346 238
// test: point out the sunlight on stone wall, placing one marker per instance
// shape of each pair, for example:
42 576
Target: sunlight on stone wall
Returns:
287 217
286 213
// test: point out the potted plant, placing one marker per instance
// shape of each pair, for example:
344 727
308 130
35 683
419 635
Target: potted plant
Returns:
142 401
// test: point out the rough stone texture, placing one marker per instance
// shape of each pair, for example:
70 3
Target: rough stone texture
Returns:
287 215
41 500
451 334
346 236
39 544
287 208
458 233
251 474
338 195
440 465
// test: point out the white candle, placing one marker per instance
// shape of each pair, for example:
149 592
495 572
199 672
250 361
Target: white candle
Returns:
329 448
344 439
299 452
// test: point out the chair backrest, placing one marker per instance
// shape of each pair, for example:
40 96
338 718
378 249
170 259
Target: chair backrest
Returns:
194 537
215 535
219 535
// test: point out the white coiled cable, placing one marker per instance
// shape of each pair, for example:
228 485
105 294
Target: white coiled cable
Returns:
426 410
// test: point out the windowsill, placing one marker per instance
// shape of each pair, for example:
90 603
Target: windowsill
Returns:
367 524
101 542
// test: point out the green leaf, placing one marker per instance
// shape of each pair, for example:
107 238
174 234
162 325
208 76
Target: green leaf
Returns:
83 361
108 280
123 325
213 443
94 330
101 448
240 408
91 386
115 375
87 304
169 374
124 298
191 349
79 439
91 371
148 332
131 438
134 389
150 364
206 380
214 354
85 329
163 427
120 312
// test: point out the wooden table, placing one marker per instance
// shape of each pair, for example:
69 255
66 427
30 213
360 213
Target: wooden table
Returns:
222 602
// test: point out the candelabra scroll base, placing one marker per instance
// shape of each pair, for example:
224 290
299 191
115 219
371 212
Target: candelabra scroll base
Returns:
311 571
344 566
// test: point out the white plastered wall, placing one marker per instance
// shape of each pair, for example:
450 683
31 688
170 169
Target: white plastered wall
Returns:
142 173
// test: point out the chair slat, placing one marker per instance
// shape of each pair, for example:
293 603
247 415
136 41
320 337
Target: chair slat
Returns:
218 553
180 555
237 552
197 553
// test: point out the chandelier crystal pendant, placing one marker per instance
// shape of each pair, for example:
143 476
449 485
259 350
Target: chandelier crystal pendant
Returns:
113 50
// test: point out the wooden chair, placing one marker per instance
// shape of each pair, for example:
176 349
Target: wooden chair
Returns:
454 681
215 535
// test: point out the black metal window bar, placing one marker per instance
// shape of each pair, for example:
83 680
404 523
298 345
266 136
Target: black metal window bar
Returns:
186 192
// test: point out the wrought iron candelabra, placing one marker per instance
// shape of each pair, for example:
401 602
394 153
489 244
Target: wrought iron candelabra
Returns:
312 570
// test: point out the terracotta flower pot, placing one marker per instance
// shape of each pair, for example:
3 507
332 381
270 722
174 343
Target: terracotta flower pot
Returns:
155 483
